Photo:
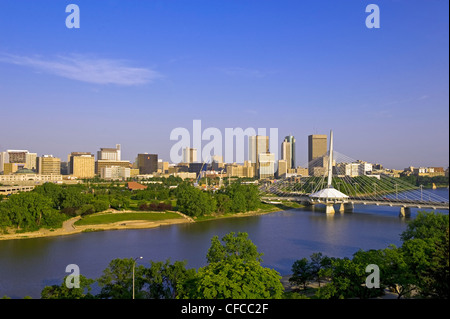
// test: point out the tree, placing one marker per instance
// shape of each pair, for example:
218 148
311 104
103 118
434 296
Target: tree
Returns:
301 273
162 278
223 203
52 191
426 251
194 202
116 281
235 247
347 279
425 226
30 211
318 262
236 279
62 292
397 273
233 271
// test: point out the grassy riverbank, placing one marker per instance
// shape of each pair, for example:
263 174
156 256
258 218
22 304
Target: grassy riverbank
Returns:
109 218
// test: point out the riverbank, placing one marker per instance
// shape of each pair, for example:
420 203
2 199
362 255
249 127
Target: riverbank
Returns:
69 227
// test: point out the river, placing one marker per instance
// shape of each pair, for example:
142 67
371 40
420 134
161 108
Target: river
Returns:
28 265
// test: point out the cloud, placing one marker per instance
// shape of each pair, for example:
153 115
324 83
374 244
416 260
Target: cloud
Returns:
86 69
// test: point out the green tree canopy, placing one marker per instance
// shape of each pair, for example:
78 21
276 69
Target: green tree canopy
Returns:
234 247
116 281
62 292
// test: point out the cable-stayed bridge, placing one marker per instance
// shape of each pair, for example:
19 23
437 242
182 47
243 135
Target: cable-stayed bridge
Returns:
338 188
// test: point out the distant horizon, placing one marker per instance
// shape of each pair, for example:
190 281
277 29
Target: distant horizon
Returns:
134 71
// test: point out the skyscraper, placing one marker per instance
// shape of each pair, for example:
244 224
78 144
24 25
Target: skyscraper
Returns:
257 144
189 155
317 151
147 163
317 146
288 151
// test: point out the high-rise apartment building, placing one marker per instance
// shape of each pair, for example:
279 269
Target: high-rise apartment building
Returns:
147 163
82 164
111 154
288 151
48 165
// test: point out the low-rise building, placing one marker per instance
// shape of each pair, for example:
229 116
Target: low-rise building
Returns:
115 172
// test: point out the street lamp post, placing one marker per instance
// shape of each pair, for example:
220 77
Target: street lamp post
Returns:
134 265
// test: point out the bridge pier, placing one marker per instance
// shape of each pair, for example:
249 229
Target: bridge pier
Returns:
405 212
329 209
346 208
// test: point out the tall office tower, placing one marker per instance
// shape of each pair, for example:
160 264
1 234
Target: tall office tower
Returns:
317 149
189 155
82 164
256 145
266 165
317 146
147 163
48 165
288 151
112 154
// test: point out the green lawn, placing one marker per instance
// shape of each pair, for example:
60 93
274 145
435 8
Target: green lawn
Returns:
118 217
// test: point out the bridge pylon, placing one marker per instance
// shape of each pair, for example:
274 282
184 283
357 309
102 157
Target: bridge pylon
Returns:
329 195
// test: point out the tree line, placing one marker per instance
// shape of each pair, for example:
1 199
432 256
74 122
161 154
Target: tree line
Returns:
48 205
235 198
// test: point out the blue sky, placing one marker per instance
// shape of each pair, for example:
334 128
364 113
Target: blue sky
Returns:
135 70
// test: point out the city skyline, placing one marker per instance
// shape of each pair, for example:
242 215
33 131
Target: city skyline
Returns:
133 72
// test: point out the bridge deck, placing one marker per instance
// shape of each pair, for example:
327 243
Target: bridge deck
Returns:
361 201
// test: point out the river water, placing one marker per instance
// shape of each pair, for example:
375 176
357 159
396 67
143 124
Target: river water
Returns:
28 265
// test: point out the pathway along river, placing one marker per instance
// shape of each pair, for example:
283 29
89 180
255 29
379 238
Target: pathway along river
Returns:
28 265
